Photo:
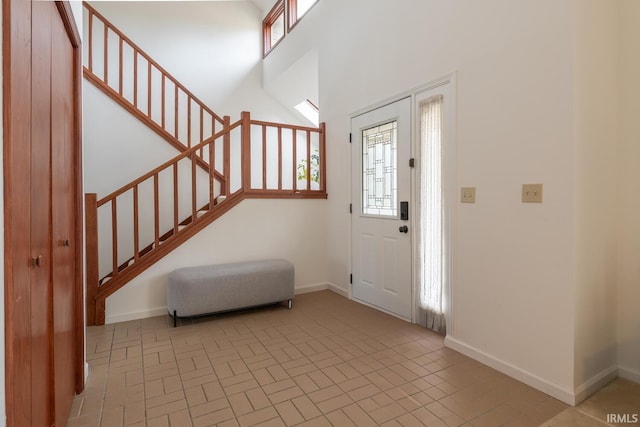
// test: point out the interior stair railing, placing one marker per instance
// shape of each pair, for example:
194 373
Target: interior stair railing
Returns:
220 164
129 76
130 229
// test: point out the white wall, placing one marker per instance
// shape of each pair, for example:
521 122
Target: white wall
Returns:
255 229
514 277
596 142
118 148
629 265
213 48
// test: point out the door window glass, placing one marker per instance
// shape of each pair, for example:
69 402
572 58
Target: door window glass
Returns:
379 170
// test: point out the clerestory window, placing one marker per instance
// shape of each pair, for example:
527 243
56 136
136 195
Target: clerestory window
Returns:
297 9
273 27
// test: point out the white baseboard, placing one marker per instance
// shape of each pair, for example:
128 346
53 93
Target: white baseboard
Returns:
314 287
629 374
595 383
161 311
511 370
305 289
338 290
136 315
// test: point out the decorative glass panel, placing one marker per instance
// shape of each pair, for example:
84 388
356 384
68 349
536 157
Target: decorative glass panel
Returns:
380 170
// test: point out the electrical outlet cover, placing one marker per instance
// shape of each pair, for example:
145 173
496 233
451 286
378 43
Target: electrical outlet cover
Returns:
531 193
468 195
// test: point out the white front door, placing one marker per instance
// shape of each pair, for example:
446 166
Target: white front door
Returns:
381 232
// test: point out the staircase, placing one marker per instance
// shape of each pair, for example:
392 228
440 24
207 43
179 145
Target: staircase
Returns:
219 165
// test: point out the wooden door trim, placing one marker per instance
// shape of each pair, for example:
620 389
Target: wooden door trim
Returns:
64 7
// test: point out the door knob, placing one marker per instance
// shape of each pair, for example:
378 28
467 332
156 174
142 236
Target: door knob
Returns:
403 229
66 243
36 261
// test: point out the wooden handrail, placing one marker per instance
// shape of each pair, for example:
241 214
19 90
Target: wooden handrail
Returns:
199 134
135 112
157 170
163 242
121 36
286 126
156 103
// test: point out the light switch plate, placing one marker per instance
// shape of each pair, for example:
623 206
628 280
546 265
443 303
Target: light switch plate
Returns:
468 195
531 193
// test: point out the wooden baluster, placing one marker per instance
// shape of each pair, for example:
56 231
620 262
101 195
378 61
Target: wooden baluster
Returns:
114 235
308 160
294 150
212 168
136 235
201 123
120 65
264 157
189 124
175 103
156 211
90 41
163 108
213 145
148 88
91 232
323 154
279 158
213 132
175 198
194 190
106 54
245 140
227 157
135 78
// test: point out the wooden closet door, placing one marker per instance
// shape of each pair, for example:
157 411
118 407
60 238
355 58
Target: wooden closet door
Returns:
40 212
41 157
62 214
17 185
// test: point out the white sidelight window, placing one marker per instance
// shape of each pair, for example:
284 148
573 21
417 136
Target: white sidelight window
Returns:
432 252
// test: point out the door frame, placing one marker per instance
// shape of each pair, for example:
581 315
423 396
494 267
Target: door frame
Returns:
451 80
16 27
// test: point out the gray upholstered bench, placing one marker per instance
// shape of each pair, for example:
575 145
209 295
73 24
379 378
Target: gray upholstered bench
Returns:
195 291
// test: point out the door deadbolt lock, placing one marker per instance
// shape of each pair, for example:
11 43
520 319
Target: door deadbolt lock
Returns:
404 211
